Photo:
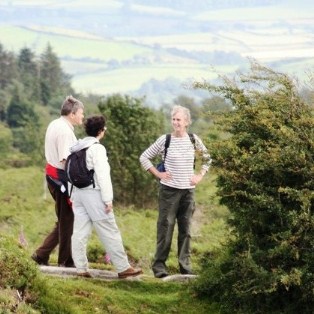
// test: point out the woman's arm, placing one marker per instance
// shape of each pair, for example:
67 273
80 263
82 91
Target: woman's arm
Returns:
206 161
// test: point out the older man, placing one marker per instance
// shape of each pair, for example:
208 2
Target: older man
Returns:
59 138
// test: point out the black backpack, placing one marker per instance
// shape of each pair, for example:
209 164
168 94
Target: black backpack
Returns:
76 170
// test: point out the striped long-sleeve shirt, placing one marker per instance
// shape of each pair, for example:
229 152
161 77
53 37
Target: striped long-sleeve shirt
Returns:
179 160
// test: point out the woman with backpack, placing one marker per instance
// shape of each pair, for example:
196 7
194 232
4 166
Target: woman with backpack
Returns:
176 191
92 205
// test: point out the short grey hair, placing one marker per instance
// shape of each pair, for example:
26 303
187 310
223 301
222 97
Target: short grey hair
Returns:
70 105
184 110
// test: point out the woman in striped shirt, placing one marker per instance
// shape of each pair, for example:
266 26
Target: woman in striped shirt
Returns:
176 192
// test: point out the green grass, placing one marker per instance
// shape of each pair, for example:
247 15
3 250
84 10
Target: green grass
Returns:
80 296
138 226
27 206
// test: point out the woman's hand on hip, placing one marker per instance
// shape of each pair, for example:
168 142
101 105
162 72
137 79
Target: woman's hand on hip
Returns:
196 178
164 175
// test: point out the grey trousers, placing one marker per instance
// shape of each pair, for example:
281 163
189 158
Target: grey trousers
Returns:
86 205
175 205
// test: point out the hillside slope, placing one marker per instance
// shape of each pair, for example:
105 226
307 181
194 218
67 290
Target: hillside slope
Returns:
117 46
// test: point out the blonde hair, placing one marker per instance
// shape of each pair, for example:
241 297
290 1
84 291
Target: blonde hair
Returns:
184 110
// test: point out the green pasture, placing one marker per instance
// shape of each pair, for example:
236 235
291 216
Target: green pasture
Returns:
86 60
128 79
69 46
194 41
86 57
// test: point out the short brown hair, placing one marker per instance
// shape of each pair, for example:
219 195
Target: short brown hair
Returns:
94 125
70 105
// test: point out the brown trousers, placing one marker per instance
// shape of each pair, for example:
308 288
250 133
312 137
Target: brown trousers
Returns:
62 232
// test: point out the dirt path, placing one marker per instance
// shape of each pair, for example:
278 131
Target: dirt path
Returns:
107 275
197 221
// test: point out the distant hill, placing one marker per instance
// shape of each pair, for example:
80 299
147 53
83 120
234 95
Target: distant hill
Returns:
140 46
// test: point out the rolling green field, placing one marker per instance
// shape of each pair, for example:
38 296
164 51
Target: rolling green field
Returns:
128 79
87 59
69 44
277 35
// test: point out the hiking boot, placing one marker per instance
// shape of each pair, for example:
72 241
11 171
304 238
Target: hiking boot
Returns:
161 275
66 265
130 272
85 275
186 272
39 260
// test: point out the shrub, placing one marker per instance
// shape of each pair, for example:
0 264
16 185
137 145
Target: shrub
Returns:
265 178
21 285
17 269
131 129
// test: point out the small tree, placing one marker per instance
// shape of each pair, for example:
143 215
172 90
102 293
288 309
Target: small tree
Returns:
266 179
131 129
20 110
6 140
25 125
53 80
29 74
8 68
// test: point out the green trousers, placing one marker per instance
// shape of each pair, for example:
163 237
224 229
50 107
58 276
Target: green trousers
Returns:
175 205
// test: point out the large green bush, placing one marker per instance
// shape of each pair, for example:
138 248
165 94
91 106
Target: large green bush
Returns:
266 179
131 129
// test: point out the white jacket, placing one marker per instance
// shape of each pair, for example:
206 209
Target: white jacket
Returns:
96 158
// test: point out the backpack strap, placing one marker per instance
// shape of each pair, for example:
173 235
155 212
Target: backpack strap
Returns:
192 139
168 138
167 143
86 148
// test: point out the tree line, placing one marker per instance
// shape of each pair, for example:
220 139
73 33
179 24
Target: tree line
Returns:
28 83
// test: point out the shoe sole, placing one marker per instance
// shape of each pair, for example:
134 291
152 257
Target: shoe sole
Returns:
85 275
38 261
163 275
130 275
